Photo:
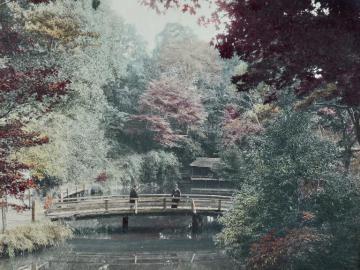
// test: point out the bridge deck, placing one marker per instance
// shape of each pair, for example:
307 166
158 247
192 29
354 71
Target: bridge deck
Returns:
147 204
130 260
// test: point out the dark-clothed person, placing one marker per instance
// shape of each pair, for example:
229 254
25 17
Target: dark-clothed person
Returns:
133 194
176 194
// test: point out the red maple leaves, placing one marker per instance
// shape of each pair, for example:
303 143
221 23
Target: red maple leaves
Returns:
102 177
275 252
168 108
26 91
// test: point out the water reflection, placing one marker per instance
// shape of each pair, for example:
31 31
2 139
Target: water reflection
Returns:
143 248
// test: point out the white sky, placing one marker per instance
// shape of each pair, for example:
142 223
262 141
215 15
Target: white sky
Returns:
148 23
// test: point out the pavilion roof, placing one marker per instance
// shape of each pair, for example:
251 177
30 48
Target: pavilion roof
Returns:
205 162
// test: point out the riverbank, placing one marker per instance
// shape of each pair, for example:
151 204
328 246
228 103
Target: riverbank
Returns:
32 237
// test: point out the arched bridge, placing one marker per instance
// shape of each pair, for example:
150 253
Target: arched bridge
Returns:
146 204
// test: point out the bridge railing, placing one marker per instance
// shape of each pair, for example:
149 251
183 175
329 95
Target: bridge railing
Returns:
147 258
146 203
82 198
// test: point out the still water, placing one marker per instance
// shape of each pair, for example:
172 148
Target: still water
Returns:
150 243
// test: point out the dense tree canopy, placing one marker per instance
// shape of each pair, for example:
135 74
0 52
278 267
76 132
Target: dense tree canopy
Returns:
293 199
276 97
27 91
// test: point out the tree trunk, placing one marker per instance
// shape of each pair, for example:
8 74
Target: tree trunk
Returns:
355 119
3 215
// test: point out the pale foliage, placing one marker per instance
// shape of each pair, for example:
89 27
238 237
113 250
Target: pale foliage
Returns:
78 148
126 170
191 60
31 237
64 28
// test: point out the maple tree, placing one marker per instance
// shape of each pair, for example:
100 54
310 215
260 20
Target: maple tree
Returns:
12 138
26 92
175 100
307 47
284 251
169 108
284 41
236 126
160 129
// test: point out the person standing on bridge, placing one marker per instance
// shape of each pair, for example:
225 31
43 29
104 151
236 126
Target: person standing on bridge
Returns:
133 195
176 194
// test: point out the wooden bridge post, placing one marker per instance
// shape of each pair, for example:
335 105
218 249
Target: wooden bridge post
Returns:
219 205
136 206
196 223
193 206
125 223
29 193
106 205
164 203
33 210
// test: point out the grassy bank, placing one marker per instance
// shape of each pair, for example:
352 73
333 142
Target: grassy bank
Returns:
32 237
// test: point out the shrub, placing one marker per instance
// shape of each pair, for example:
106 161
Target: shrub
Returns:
31 237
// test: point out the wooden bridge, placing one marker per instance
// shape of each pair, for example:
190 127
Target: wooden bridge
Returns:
131 261
146 204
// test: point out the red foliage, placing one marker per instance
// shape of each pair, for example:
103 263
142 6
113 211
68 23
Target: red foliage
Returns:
20 88
166 106
236 126
274 252
13 137
326 111
24 93
231 112
312 43
9 41
162 132
160 6
173 99
18 92
286 41
102 177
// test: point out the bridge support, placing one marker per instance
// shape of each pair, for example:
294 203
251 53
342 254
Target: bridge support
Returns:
125 223
197 223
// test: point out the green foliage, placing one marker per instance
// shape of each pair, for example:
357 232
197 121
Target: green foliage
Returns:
237 165
161 168
292 189
242 223
49 182
188 149
127 170
157 168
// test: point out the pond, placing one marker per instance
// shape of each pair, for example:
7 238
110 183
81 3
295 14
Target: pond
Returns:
149 243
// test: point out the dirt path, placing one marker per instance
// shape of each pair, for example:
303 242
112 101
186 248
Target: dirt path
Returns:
15 218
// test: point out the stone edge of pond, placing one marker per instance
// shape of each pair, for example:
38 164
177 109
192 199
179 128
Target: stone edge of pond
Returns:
33 237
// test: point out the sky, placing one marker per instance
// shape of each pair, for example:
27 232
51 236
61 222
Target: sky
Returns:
148 23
